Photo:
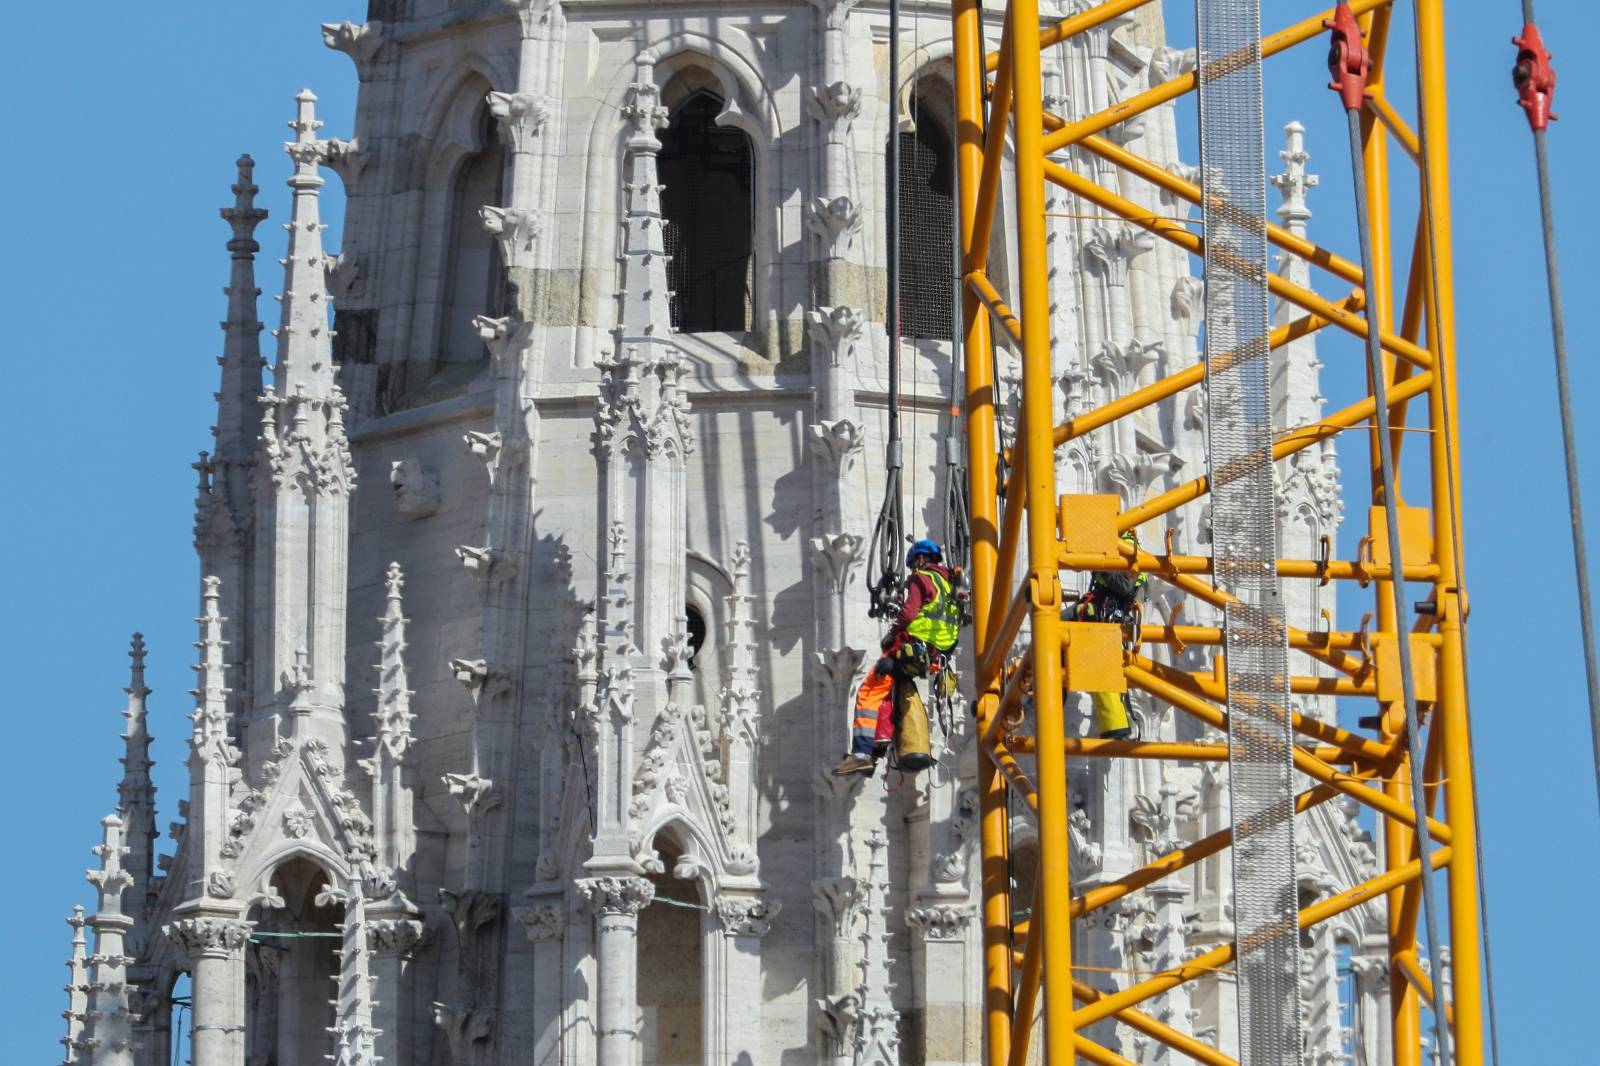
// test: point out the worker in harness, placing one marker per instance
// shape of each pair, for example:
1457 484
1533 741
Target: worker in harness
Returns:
1112 597
888 706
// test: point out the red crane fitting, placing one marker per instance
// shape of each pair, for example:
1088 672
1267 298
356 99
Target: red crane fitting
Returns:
1534 78
1348 58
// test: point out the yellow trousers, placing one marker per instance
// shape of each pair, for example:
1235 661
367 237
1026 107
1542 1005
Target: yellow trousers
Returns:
1109 712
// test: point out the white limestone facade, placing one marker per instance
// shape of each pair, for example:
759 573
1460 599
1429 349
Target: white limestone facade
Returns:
533 595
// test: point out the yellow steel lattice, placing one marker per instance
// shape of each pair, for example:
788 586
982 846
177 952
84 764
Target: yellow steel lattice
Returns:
1024 538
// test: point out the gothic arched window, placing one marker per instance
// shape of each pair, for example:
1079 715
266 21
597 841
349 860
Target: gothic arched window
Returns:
474 275
707 172
927 215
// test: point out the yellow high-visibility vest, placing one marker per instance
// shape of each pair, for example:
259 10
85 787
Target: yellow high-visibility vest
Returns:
939 621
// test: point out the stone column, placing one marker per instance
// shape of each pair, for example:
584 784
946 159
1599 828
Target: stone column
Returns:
391 941
215 946
732 981
616 902
952 1023
545 922
1370 1012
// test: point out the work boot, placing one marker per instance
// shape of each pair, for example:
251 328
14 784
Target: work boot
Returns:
1125 733
855 764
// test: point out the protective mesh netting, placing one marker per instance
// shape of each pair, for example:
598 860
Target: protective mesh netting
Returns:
927 228
1244 530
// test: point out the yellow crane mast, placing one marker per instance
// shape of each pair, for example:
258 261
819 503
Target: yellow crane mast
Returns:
1029 651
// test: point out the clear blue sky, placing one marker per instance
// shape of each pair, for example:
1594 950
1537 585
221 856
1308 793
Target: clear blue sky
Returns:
126 122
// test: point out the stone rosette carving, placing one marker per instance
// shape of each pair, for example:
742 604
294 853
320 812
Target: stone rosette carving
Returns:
544 922
746 916
297 823
942 921
209 936
616 895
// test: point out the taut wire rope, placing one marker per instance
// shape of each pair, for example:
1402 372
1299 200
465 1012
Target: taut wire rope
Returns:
1349 63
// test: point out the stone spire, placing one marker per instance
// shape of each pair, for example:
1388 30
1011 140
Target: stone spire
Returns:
1292 185
108 1026
1296 388
741 701
392 823
642 436
136 793
76 990
239 400
225 501
212 755
305 348
877 1038
353 1030
305 478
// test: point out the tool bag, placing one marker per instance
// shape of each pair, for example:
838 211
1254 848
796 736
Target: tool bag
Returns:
913 751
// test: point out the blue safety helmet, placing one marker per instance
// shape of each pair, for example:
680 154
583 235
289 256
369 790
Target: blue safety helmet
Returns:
929 548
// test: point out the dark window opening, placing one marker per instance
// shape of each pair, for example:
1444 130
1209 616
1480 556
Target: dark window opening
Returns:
697 633
476 278
927 224
706 171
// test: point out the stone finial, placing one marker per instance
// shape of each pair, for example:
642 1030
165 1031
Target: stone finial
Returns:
305 149
210 716
244 216
393 716
108 1024
110 878
137 736
1295 181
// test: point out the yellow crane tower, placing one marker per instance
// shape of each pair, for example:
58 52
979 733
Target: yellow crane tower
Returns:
1031 653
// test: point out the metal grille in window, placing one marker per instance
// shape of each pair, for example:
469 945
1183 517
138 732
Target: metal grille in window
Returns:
927 231
707 182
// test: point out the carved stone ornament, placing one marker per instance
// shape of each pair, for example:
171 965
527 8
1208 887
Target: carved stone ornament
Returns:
543 922
835 330
395 936
836 103
835 220
297 822
416 489
746 916
836 557
521 115
943 921
359 41
515 228
836 444
219 884
208 936
616 895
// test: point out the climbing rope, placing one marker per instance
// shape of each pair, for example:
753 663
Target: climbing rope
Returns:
1349 64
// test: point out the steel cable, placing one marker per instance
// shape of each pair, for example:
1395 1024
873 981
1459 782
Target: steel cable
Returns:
1391 510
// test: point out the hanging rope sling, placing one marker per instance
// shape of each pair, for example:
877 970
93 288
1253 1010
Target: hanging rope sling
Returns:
885 567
